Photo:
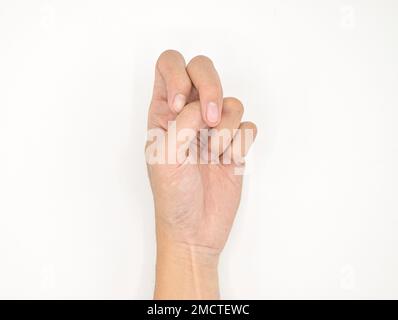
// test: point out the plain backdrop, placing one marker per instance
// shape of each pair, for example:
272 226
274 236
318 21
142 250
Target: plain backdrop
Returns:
319 213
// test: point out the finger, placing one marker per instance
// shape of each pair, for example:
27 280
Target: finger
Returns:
205 79
190 118
241 143
172 82
221 136
187 125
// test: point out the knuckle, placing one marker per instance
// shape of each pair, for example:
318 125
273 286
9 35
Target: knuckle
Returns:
200 59
196 107
254 128
167 54
249 126
234 105
193 109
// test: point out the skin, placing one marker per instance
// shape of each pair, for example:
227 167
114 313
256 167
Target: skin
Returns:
195 204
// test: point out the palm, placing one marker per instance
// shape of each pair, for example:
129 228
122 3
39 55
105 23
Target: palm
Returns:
207 199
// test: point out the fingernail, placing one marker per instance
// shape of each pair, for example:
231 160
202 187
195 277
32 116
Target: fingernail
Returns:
212 112
179 102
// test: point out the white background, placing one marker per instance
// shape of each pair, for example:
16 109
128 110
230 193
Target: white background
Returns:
319 213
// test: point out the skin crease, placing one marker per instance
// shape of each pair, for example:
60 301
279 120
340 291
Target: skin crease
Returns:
195 204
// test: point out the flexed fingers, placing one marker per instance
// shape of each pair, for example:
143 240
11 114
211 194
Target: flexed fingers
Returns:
172 82
205 79
177 84
171 90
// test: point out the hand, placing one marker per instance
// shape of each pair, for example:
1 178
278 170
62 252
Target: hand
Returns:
196 197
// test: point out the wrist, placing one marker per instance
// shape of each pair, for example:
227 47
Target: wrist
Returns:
185 271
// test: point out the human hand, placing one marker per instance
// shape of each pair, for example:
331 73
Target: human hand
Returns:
195 184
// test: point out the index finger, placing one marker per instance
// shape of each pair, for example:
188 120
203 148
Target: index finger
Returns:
172 82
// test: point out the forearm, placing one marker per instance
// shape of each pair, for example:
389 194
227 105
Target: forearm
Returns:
184 271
